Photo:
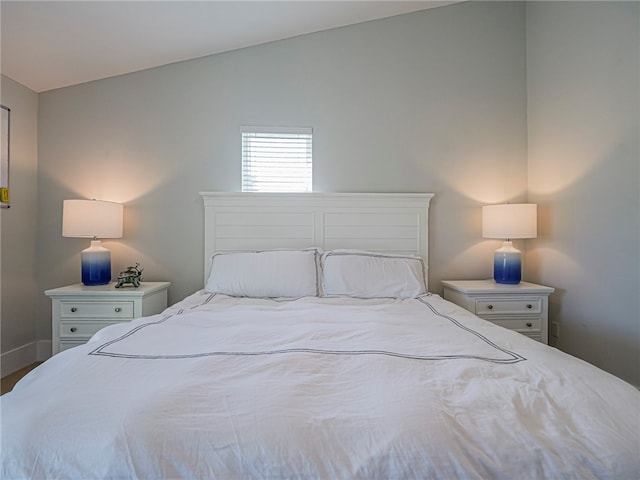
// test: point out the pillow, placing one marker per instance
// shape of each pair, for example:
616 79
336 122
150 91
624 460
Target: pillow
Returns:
363 274
269 273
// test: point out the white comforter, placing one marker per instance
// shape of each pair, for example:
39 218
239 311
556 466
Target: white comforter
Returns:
217 387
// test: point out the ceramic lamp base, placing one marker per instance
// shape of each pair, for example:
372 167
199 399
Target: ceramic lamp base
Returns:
507 264
96 264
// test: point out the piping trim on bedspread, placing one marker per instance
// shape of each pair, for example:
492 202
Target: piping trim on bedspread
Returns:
512 357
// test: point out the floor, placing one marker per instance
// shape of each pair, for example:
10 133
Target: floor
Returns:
9 381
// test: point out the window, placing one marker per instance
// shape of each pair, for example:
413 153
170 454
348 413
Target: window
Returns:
276 159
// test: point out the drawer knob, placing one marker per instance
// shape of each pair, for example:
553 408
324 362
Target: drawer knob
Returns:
490 307
529 305
73 329
529 324
74 309
118 309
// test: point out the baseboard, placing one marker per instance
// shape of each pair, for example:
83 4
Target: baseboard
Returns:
18 358
21 357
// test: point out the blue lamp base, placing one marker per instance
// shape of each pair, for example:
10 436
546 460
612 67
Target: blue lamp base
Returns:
507 264
96 264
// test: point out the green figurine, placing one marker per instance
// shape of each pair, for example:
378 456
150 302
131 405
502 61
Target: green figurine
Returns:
132 275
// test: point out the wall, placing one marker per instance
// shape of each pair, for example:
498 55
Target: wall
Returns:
433 101
584 172
18 229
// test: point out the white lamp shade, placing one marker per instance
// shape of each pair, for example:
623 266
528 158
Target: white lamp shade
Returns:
91 219
512 220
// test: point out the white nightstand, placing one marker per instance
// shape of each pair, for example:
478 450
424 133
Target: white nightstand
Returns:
523 307
79 311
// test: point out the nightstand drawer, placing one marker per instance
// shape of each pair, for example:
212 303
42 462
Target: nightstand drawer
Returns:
514 306
122 310
81 328
522 325
66 345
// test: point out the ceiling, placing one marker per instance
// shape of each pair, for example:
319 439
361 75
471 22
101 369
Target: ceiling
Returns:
52 44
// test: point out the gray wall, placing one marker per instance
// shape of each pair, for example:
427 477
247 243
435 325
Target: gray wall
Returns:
428 102
584 172
18 227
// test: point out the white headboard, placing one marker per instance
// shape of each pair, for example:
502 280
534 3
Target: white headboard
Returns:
380 222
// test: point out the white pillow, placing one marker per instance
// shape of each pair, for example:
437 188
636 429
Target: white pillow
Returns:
264 274
364 274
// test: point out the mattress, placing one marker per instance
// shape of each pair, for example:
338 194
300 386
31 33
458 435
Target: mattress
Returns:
340 388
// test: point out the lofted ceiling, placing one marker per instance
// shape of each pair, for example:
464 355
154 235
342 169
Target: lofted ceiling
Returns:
52 44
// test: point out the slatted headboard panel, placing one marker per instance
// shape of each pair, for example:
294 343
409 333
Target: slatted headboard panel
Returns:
380 222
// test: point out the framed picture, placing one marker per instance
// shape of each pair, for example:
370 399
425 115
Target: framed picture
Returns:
4 156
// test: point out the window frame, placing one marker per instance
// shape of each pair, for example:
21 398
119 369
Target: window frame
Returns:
300 156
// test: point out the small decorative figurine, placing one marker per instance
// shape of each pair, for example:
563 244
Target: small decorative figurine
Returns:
132 275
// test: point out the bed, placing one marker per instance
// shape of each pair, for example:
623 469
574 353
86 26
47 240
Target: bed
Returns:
315 350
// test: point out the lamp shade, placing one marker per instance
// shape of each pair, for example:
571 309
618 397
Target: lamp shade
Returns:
91 219
508 221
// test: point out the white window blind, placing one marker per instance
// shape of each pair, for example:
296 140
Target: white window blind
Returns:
276 159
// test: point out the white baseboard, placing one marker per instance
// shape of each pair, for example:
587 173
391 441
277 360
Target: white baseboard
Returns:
21 357
18 358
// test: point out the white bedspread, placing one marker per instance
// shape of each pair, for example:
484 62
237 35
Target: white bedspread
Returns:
218 387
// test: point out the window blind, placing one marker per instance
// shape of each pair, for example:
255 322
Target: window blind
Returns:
276 159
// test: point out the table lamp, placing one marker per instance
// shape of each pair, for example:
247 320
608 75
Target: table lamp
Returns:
93 219
509 221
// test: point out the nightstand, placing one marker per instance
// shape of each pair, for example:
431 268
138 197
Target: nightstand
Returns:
523 307
79 311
